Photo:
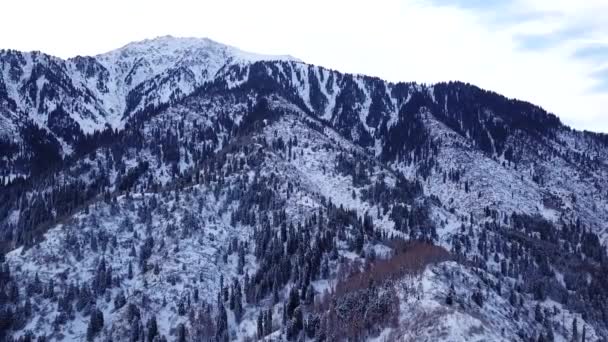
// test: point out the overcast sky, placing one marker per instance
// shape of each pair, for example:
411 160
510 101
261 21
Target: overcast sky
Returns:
553 53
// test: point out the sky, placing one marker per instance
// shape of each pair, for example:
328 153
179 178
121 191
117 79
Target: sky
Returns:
553 53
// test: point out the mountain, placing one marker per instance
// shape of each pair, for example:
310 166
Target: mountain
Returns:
181 189
70 98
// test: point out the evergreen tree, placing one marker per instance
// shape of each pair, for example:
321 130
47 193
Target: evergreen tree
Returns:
221 334
293 302
538 313
130 271
181 333
584 336
152 328
261 328
95 324
268 322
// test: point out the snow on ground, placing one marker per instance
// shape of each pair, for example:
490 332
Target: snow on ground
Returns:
186 260
314 168
426 317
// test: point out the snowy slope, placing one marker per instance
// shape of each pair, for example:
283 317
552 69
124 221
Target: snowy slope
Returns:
191 230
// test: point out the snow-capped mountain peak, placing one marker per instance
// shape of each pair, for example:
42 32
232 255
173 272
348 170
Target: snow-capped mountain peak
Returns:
181 64
107 89
178 47
139 61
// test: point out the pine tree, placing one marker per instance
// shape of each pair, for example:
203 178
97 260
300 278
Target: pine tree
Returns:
268 322
95 324
513 298
241 260
261 330
135 331
238 302
293 302
538 314
119 301
584 336
275 293
181 333
6 320
130 271
221 324
152 328
478 298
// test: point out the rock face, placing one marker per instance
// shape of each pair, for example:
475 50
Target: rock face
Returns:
182 189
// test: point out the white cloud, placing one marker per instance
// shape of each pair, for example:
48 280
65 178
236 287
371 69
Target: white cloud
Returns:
411 40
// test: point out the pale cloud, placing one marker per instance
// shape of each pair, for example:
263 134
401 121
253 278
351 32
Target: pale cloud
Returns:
549 52
558 54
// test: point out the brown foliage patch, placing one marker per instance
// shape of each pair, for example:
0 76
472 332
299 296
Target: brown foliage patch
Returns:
365 300
408 258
